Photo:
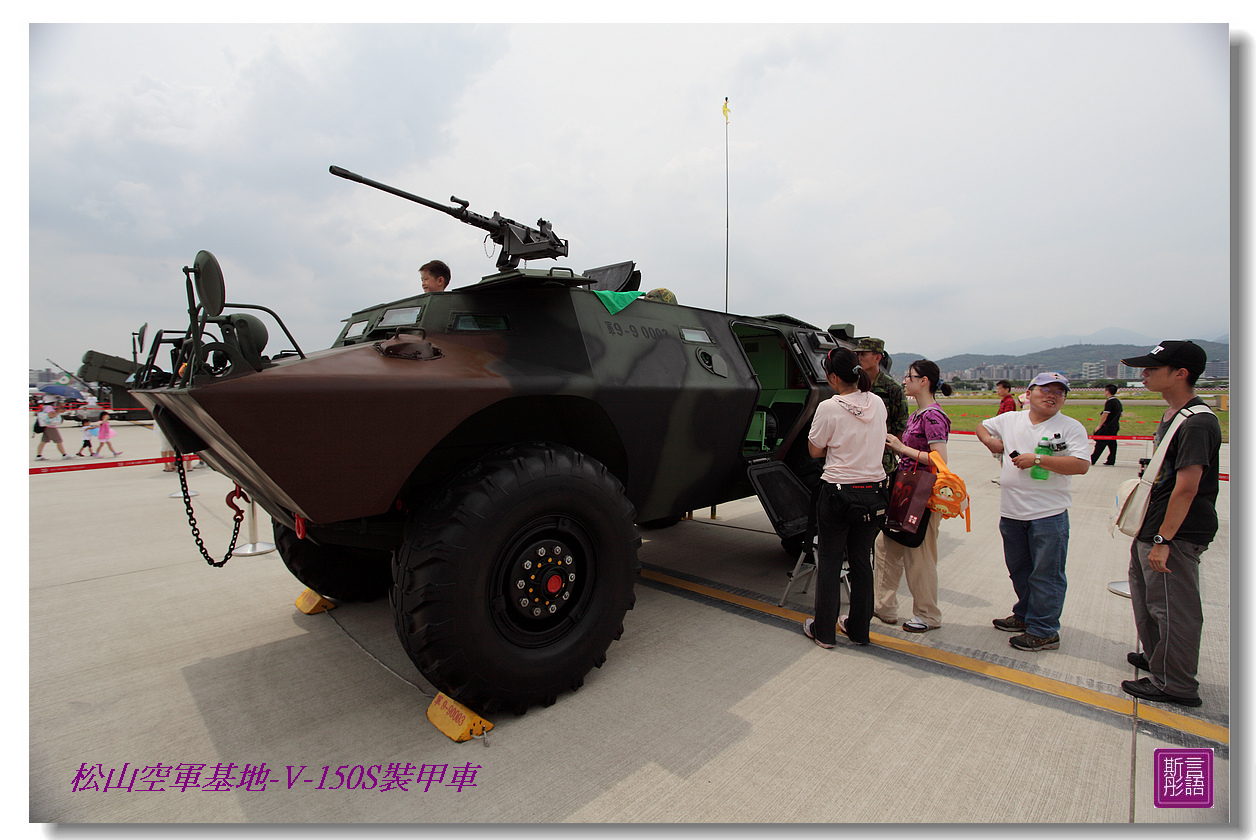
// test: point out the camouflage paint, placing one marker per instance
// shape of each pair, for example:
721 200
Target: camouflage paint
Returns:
347 434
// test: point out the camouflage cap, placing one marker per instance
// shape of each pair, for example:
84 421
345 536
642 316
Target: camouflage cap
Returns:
871 345
662 295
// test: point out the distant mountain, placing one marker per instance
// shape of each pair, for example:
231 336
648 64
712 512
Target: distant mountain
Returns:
1225 339
900 361
1109 335
1068 359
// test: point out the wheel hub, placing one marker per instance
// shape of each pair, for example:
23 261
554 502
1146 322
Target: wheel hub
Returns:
544 576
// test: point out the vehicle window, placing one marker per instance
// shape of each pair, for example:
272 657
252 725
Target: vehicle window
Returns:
695 335
466 322
356 329
401 317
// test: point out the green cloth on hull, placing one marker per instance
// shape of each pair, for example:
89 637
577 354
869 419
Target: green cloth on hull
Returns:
615 301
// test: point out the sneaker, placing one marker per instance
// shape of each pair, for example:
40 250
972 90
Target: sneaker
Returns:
884 620
1011 624
117 454
63 457
1138 660
806 631
1028 641
40 458
915 625
95 454
1145 689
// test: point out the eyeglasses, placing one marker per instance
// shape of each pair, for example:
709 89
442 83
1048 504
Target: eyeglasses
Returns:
1058 393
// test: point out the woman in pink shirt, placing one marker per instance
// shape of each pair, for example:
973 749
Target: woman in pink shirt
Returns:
848 431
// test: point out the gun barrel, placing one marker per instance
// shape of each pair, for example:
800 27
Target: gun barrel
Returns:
461 213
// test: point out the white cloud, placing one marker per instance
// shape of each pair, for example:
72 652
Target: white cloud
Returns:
927 182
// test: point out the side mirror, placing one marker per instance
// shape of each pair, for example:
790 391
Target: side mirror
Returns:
210 288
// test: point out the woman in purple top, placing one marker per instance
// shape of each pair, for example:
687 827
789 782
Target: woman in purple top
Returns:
927 431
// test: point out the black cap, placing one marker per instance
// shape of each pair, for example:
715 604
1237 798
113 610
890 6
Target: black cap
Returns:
1175 354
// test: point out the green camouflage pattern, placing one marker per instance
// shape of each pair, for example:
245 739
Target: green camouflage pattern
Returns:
891 393
676 401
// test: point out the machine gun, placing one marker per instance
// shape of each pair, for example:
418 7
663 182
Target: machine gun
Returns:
516 241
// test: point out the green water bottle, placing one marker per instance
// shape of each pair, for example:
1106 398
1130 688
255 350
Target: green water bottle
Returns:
1036 471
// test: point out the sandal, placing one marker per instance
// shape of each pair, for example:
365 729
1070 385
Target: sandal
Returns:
806 631
841 623
915 625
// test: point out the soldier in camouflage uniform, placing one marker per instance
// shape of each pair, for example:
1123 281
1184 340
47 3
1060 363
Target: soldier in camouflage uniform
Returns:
870 351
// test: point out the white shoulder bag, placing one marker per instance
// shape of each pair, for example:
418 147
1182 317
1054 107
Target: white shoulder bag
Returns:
1133 495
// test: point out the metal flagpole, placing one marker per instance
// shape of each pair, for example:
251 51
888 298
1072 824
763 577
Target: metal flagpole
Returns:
726 204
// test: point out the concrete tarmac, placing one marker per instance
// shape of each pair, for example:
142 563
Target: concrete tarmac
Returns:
712 708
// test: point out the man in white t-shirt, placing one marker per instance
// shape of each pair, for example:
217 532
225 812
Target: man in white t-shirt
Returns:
1033 506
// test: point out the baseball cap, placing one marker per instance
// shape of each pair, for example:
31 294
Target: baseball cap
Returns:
1175 354
1049 377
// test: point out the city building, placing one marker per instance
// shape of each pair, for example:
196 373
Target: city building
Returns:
1095 370
1218 369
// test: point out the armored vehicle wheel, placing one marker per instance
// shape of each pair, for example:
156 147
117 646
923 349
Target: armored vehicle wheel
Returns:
511 587
338 572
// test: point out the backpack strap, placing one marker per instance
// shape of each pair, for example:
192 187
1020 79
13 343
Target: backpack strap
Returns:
1152 470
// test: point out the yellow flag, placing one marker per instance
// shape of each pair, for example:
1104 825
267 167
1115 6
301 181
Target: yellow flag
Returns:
725 110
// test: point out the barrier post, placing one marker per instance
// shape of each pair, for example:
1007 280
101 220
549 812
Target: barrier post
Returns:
253 547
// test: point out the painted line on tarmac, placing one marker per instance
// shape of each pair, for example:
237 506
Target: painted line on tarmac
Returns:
1086 696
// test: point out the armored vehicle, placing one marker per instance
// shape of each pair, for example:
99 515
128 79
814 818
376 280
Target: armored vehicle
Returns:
494 447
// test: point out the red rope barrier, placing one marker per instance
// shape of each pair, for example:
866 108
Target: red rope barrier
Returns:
1088 437
1222 476
101 465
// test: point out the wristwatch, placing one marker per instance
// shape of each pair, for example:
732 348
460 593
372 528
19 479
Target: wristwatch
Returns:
1037 460
1159 540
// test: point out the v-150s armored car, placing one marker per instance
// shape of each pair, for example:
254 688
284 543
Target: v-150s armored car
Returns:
486 453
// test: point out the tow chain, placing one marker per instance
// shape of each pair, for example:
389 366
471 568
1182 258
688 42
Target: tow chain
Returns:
237 493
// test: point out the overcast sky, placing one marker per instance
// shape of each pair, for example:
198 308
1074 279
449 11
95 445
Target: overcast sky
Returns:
945 186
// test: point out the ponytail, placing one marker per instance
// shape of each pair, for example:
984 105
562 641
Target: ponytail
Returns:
864 381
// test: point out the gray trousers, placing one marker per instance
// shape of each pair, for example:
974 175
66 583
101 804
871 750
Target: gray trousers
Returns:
1168 615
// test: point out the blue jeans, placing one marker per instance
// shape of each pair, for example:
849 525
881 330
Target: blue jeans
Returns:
1034 551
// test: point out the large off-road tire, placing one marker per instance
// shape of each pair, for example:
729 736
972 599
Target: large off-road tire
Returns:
341 573
511 587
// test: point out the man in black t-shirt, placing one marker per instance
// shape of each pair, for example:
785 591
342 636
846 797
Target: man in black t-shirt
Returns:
1109 424
1181 521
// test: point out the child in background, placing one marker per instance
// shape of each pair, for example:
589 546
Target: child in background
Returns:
105 435
89 432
